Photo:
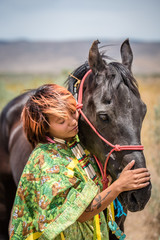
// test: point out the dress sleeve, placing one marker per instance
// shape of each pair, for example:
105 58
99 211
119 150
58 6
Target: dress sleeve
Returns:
64 194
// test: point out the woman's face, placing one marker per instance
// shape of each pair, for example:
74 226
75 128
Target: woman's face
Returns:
64 128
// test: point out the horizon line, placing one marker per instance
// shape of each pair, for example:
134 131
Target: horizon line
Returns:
24 39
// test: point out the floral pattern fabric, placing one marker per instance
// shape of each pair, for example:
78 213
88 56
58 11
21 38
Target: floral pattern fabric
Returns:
52 194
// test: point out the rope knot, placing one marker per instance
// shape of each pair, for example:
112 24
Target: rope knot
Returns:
117 148
79 106
105 182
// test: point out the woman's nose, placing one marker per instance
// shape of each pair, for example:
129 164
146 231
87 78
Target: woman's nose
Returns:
73 119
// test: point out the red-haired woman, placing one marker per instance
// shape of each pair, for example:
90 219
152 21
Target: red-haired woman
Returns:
60 192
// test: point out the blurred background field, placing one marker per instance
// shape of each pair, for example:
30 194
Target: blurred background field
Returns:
147 222
12 84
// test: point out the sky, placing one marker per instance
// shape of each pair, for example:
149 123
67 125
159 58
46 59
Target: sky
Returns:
65 20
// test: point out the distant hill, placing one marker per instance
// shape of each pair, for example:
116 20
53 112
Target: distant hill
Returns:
53 57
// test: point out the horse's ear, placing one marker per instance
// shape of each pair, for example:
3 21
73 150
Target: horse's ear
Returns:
95 60
126 54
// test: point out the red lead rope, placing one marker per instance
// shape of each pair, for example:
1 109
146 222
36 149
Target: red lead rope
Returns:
116 147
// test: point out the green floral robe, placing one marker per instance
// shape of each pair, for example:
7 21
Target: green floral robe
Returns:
52 194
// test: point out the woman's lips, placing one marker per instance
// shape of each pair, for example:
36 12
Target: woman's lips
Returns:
75 128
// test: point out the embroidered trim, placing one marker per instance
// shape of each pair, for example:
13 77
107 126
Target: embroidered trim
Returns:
34 236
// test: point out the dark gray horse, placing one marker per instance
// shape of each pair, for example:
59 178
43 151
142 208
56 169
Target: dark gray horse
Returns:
111 101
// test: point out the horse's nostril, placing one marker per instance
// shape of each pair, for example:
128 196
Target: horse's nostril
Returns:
132 199
136 200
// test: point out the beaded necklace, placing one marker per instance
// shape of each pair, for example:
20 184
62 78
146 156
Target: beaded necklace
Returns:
80 154
82 158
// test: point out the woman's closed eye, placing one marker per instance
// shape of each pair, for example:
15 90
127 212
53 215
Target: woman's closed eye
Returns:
60 120
73 112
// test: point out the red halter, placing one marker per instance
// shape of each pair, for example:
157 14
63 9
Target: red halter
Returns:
114 147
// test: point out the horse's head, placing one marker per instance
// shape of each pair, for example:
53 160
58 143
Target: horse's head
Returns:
112 102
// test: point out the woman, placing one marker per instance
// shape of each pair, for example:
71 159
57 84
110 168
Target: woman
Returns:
60 192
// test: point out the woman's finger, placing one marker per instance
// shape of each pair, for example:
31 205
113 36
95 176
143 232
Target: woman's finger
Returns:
129 165
144 180
142 175
140 170
142 185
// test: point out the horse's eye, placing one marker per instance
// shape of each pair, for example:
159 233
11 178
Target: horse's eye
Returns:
104 117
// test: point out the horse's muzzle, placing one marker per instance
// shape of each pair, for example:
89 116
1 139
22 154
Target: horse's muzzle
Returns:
136 200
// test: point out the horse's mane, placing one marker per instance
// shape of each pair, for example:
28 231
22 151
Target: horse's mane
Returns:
125 74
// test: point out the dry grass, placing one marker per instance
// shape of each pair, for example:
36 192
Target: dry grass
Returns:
145 225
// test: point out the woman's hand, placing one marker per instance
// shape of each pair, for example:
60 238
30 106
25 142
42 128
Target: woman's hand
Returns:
133 179
128 180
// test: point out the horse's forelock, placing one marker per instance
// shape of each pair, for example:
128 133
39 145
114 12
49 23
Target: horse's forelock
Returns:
126 77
